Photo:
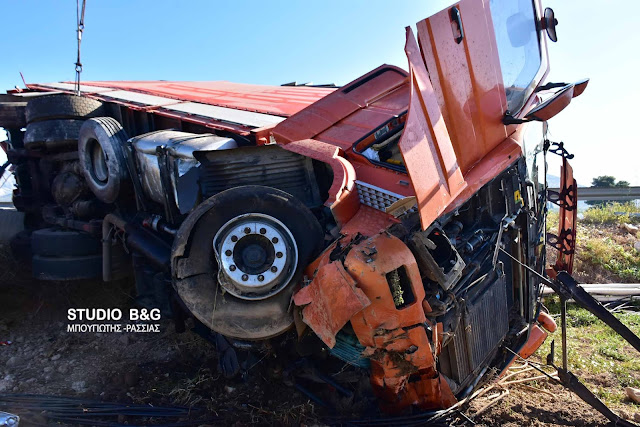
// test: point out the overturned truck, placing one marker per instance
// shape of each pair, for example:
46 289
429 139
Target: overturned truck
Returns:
396 223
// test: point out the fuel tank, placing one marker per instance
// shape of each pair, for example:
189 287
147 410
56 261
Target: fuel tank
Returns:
172 150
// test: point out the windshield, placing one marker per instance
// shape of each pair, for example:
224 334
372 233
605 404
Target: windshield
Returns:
514 23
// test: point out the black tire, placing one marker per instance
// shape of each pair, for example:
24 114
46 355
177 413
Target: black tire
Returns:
62 243
52 134
67 268
63 106
101 146
194 267
12 115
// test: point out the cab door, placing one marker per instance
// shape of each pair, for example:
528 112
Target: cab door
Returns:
457 103
454 140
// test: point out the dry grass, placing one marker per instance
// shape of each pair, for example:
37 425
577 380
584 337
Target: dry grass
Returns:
605 251
619 258
612 213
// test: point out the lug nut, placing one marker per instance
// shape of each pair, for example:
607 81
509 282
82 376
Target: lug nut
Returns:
274 240
234 238
228 252
245 277
247 230
274 269
260 278
232 267
279 254
263 230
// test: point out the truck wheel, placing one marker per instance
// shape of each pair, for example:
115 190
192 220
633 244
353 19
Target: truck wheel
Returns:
12 115
66 268
62 106
62 243
240 255
101 147
52 134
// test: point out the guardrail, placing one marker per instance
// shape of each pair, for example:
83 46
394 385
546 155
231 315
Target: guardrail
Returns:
607 193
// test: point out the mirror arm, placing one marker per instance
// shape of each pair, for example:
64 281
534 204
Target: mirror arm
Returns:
549 86
508 119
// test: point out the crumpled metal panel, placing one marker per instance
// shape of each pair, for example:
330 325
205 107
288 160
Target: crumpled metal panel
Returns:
403 368
369 262
349 103
329 301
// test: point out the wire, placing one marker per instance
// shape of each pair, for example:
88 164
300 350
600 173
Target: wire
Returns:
96 413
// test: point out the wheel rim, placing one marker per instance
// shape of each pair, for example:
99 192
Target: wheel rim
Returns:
257 256
99 168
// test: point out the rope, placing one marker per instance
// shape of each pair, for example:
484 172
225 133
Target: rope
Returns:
80 21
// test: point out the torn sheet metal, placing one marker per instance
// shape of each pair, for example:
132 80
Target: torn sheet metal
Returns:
403 367
369 263
330 300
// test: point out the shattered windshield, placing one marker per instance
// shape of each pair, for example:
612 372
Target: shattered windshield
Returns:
514 23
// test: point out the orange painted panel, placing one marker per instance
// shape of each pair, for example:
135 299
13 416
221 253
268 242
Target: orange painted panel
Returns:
329 301
368 263
425 144
467 79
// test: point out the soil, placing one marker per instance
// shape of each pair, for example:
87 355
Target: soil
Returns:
169 368
536 403
165 368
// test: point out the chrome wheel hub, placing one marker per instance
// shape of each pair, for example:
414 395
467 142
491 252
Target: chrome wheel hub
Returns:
257 256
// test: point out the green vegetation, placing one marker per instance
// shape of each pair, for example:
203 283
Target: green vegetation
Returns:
599 356
610 214
605 254
612 256
604 249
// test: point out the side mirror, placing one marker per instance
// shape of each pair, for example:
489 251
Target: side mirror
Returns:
549 23
552 106
579 87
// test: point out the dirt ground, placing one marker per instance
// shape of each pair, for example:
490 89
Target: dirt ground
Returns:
164 368
167 368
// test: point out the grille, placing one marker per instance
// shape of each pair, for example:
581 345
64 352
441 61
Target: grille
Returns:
376 197
270 166
481 330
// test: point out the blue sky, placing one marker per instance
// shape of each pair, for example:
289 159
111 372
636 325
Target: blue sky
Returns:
273 42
